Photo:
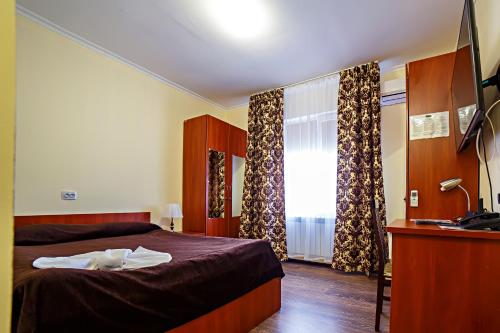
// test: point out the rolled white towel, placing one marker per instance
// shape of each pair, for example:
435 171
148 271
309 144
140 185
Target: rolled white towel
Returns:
111 259
63 262
143 257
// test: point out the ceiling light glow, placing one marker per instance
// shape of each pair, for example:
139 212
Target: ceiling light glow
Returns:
240 19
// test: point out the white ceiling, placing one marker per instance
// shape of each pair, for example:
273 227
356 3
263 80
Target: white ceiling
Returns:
179 41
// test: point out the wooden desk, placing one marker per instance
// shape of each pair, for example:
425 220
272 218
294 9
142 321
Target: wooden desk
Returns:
444 280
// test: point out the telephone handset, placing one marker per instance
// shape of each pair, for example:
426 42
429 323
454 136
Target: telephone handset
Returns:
477 217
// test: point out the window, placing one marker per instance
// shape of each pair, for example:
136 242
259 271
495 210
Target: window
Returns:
310 135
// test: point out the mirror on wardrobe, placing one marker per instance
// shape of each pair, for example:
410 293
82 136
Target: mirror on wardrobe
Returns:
238 175
216 184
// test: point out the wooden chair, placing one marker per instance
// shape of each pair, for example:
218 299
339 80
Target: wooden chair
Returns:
384 271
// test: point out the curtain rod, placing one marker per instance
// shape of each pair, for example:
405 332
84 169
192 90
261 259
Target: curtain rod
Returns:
312 79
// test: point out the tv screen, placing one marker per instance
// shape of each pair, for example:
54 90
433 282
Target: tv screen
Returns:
466 87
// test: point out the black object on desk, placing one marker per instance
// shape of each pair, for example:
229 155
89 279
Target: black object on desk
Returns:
434 222
481 224
478 221
478 216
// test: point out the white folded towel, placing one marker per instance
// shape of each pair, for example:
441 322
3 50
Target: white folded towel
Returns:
111 259
142 257
62 262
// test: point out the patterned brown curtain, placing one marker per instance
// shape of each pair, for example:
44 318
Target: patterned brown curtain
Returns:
359 169
263 210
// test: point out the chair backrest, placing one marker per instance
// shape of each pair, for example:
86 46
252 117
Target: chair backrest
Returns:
379 236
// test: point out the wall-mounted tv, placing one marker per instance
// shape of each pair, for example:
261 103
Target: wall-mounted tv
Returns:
466 87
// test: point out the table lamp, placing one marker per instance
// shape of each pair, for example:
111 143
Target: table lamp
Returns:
450 184
173 211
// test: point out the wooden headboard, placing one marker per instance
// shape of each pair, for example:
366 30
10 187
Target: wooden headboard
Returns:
20 221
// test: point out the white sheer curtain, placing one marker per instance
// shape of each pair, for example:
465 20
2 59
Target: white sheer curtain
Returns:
311 168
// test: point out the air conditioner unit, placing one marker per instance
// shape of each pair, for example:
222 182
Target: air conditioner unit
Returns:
393 92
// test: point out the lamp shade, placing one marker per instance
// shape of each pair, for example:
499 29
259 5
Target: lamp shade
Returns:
173 211
450 184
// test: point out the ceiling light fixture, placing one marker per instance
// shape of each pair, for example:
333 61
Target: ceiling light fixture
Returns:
240 19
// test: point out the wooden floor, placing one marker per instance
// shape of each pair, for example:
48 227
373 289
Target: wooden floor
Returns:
318 299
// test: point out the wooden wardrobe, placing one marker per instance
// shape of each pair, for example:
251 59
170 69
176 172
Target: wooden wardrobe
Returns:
212 179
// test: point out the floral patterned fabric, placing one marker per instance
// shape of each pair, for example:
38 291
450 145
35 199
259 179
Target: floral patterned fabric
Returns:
263 208
216 184
359 170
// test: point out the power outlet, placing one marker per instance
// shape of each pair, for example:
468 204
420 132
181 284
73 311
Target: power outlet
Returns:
69 195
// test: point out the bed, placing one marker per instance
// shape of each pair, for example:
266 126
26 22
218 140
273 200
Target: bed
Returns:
211 285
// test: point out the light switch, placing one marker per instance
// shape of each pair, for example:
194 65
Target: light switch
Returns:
413 198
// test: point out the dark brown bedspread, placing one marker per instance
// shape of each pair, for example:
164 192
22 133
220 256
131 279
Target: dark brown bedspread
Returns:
204 274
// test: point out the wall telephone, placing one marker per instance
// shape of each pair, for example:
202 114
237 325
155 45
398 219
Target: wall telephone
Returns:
479 221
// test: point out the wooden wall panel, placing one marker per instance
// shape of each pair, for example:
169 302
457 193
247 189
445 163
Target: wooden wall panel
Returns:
82 218
431 161
194 175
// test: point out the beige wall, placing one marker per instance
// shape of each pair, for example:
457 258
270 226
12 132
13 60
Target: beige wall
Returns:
488 25
7 112
89 123
394 155
238 116
394 152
